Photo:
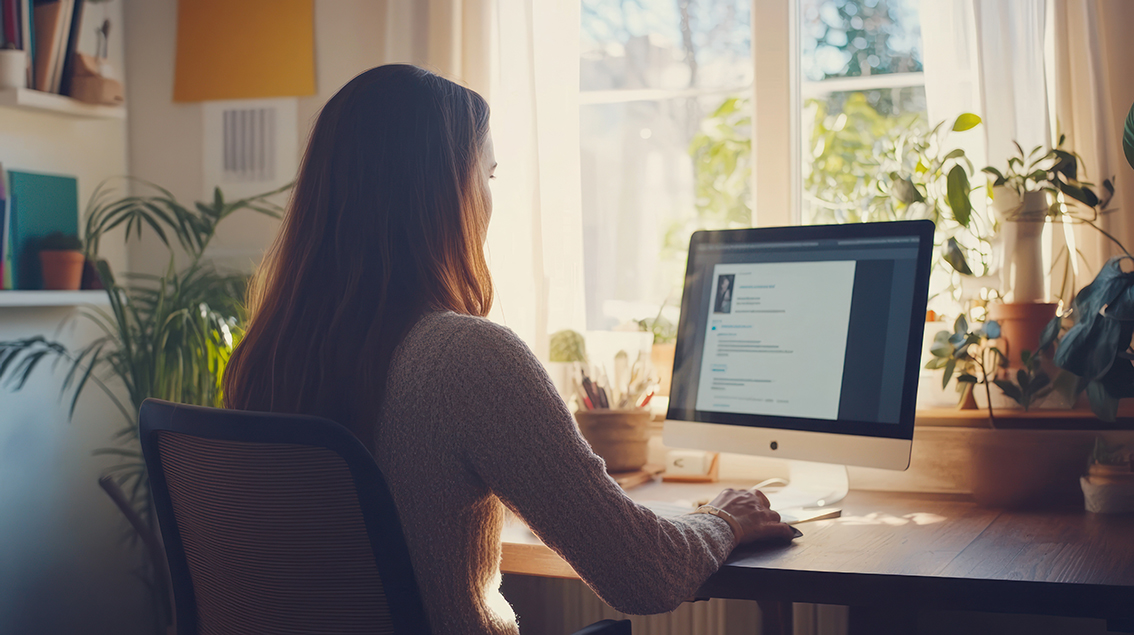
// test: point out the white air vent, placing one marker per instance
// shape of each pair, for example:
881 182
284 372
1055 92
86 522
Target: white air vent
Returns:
249 145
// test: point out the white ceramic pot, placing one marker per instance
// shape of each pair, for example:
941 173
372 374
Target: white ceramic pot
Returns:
1022 222
13 68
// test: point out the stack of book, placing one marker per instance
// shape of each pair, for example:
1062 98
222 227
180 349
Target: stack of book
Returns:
49 31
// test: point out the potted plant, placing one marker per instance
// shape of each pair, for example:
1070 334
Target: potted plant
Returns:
567 349
967 354
1032 189
61 260
167 336
1097 346
1018 461
1108 485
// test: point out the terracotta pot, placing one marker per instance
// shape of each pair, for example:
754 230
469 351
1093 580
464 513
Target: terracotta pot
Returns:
1029 468
620 437
62 270
1021 324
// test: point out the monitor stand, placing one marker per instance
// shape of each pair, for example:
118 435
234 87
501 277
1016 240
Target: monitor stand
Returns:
810 491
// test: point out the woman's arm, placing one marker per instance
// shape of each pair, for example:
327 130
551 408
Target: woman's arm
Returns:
519 437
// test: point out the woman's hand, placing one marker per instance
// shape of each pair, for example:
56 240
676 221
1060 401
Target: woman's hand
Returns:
753 514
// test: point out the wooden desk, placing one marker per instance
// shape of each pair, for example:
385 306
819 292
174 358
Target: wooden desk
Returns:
905 552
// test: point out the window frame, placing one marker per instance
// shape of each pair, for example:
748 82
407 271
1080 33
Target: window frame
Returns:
777 98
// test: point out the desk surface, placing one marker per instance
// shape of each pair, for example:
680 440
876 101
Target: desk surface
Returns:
923 550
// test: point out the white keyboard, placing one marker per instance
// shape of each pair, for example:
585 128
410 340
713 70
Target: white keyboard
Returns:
790 516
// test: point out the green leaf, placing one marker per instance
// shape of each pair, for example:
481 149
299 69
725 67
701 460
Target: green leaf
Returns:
957 194
1010 389
950 366
960 325
941 349
1050 332
1023 380
967 378
956 257
967 121
905 191
936 362
1103 405
1079 192
992 329
1128 137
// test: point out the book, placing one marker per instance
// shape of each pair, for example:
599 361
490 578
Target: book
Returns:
39 204
48 20
72 47
10 9
4 251
27 38
60 50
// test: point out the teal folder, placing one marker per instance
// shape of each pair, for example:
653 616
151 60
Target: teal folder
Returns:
40 204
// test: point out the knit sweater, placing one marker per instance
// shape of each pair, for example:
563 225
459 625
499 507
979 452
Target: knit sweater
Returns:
471 424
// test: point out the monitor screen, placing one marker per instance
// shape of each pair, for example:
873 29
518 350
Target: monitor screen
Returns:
804 328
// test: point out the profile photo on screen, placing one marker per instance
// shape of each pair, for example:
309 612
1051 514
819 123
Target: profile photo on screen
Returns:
723 303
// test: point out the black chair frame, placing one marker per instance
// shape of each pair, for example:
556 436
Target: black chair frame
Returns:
377 505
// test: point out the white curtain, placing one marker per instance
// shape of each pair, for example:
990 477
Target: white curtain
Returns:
1093 53
1033 69
523 56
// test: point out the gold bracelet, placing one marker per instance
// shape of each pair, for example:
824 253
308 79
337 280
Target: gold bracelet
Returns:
722 514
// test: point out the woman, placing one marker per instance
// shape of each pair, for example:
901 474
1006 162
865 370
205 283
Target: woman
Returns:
369 310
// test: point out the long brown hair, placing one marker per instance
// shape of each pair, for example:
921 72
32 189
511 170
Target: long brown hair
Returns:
386 222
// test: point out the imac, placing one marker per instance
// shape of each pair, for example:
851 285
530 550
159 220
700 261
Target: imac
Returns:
803 343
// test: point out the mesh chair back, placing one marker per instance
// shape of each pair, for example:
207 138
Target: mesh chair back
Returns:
275 524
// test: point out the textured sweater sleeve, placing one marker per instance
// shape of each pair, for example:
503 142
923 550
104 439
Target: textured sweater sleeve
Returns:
518 436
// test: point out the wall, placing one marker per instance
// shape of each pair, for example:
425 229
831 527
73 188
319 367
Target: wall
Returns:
64 564
165 137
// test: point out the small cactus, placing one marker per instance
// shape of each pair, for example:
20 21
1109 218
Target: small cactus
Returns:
568 346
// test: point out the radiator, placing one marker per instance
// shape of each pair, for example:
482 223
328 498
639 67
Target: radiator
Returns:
581 607
547 606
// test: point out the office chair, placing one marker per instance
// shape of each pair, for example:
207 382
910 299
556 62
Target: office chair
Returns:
279 524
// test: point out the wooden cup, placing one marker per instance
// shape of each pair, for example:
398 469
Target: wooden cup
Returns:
620 437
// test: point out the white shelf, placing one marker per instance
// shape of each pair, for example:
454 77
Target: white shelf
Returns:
50 298
27 99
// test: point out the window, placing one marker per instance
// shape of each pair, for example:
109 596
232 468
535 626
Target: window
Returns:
861 85
665 144
667 128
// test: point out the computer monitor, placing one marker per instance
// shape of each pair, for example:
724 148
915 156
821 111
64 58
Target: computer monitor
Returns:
802 342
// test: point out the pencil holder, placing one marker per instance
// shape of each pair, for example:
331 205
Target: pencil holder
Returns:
620 437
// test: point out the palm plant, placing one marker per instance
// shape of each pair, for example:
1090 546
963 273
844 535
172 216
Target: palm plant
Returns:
166 336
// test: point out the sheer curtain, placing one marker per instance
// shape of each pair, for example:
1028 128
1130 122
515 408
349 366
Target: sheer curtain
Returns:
1092 54
1034 69
523 56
